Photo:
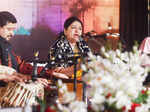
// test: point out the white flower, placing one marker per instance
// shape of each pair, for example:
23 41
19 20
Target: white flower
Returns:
143 108
122 100
83 67
118 53
97 99
102 49
68 97
63 108
98 107
62 87
119 75
78 106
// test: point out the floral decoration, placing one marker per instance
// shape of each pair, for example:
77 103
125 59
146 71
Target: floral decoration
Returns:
114 82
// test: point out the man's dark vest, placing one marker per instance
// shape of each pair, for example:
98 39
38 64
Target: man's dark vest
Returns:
6 54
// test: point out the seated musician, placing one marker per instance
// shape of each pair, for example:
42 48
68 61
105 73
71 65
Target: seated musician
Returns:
8 24
69 42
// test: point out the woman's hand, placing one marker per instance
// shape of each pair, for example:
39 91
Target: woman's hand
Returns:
63 71
57 73
60 75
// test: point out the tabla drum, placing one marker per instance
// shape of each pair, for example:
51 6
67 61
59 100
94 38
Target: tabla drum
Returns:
20 94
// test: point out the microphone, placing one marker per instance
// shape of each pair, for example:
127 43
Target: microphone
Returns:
34 72
68 57
50 64
89 35
101 35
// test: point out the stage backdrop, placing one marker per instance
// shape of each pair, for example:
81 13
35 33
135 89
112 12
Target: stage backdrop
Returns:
40 21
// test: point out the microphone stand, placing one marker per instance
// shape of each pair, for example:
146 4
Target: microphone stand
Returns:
84 98
75 61
34 72
75 74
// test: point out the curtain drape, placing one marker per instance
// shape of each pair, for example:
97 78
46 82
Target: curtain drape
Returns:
133 21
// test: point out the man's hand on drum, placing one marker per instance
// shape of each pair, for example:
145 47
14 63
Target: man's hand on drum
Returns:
25 78
14 77
5 77
43 81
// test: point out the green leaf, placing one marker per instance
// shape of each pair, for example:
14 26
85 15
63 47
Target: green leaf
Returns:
141 98
42 104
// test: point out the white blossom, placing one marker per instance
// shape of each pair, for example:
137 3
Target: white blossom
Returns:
120 74
115 78
78 106
68 97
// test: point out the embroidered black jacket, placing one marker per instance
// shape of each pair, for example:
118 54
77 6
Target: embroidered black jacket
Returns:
61 51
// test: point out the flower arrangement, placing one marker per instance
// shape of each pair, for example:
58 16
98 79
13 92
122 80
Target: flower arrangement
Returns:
116 81
114 84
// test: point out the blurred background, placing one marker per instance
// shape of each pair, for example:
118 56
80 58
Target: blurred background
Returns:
40 22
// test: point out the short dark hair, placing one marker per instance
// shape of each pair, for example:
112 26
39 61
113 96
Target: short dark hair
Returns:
70 20
6 17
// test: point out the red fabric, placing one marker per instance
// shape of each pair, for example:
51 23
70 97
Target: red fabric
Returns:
108 95
27 68
133 107
24 67
18 59
49 109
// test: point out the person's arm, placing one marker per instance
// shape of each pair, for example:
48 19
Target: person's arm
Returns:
14 77
69 71
10 74
25 70
6 70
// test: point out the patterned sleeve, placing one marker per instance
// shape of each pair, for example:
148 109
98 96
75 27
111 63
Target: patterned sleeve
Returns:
55 50
83 47
59 51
